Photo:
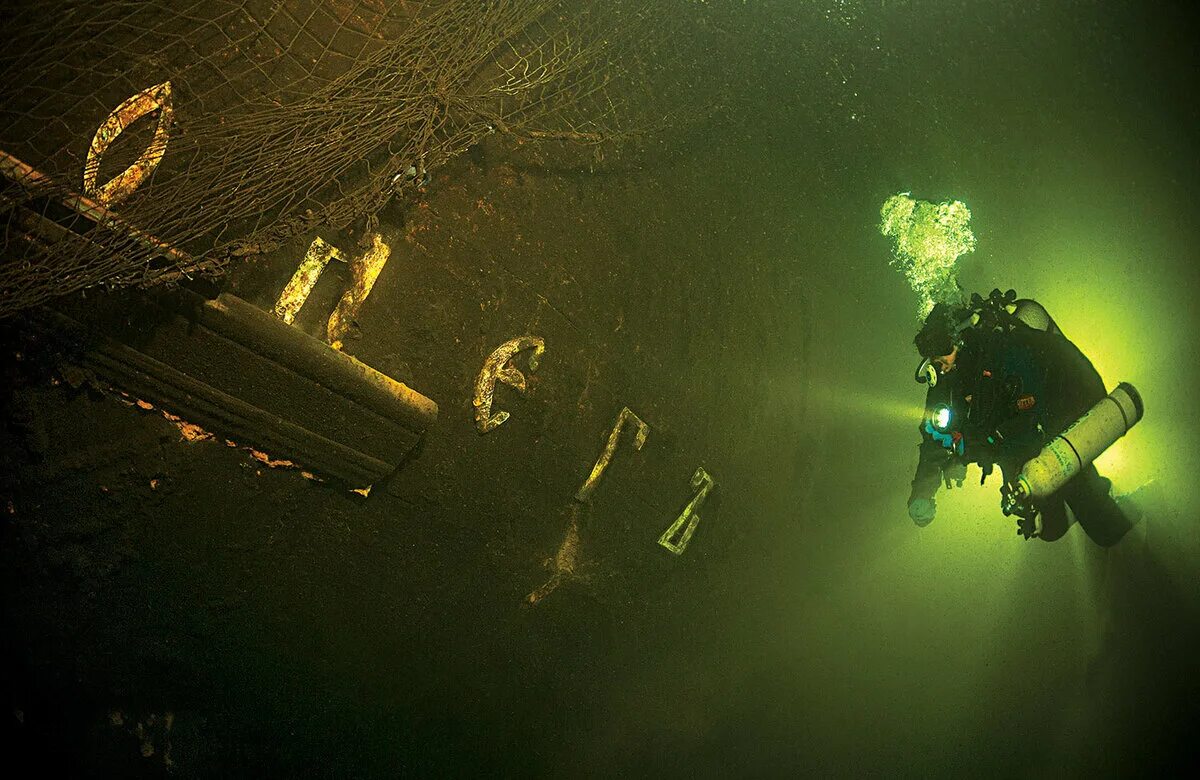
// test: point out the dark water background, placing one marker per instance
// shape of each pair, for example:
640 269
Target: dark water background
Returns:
738 278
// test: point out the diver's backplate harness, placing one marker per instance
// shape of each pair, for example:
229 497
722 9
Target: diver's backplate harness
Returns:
1000 312
985 406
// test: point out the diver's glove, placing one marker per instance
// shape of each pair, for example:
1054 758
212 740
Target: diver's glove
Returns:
954 474
922 510
951 440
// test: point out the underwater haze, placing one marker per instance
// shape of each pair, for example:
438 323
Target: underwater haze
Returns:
959 648
733 280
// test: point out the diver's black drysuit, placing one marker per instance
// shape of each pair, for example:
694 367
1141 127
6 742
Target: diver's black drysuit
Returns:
1012 391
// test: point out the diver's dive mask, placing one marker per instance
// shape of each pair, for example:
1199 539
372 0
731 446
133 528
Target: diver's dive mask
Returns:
927 372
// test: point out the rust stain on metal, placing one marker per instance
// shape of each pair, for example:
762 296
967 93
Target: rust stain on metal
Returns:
267 460
565 563
188 431
153 734
193 433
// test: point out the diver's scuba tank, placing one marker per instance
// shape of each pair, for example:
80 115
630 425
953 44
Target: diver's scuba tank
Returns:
1070 452
1033 314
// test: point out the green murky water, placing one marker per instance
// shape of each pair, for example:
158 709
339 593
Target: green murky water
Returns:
732 287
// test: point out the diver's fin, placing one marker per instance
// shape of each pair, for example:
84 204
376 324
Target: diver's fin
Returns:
1147 500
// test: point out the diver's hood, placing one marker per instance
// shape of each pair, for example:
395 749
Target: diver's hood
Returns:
927 373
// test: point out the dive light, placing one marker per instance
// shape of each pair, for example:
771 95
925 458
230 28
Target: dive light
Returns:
941 417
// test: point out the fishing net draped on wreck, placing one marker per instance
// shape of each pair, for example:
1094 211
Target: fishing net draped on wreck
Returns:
142 142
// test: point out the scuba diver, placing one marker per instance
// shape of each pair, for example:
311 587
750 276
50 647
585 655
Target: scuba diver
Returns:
1004 383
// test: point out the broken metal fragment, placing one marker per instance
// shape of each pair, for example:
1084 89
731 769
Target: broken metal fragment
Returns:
296 291
610 447
498 367
689 518
364 271
134 108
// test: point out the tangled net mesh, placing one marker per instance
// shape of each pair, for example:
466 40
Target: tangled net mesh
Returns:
285 115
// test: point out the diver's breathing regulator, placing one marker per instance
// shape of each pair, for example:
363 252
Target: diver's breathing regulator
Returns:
927 372
1069 453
